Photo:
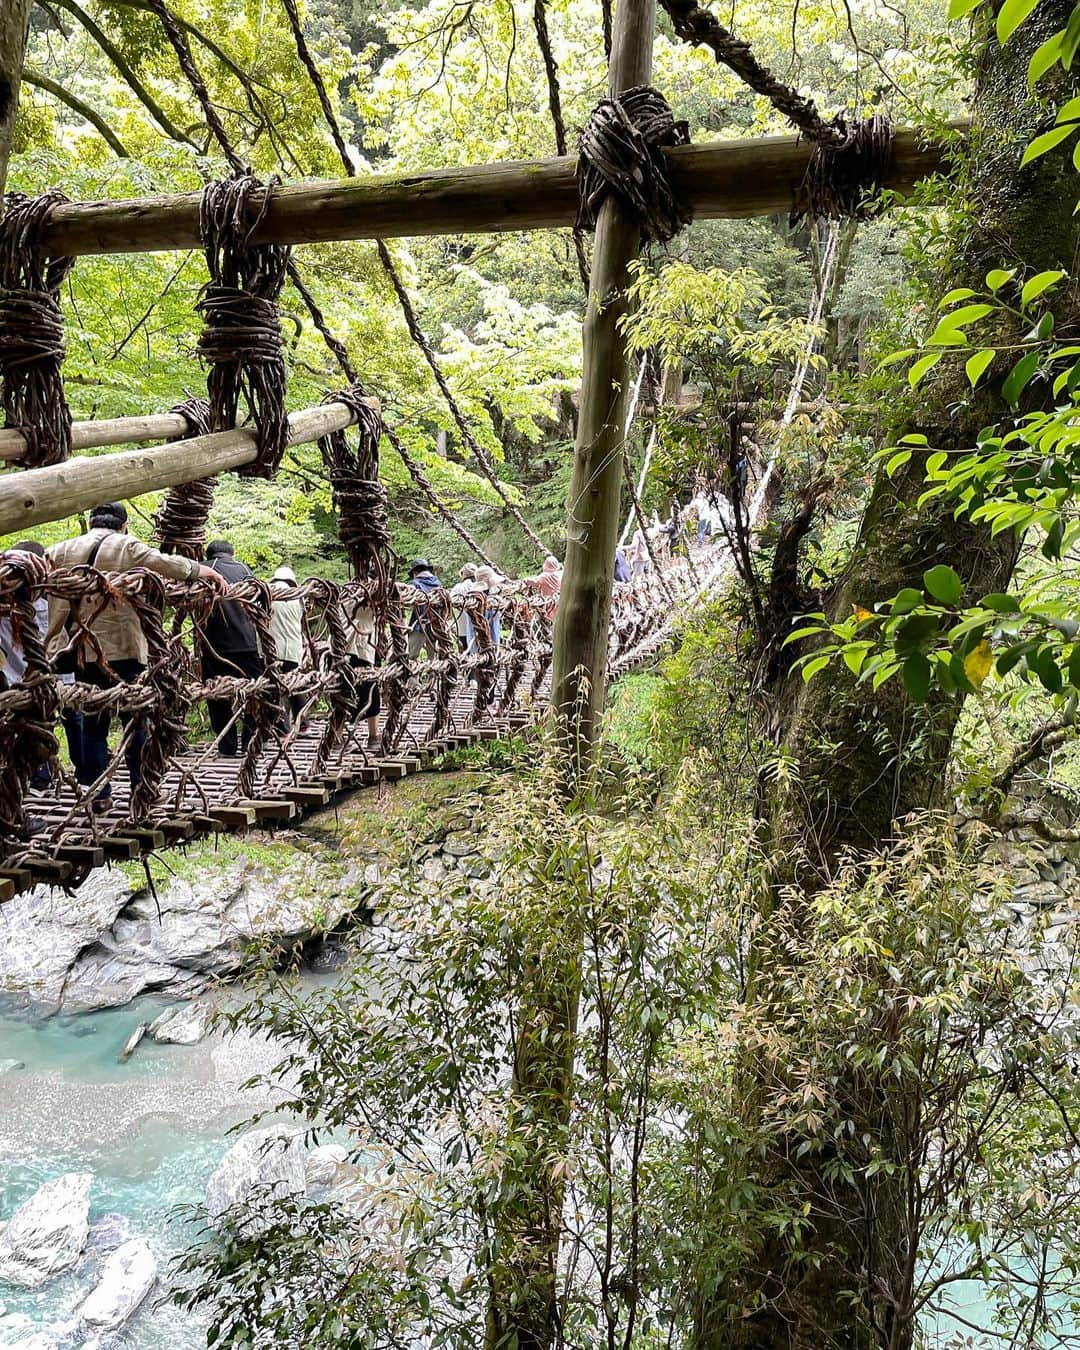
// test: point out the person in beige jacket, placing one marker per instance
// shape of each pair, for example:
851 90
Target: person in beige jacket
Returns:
113 649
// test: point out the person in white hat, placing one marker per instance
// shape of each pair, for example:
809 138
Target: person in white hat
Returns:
287 628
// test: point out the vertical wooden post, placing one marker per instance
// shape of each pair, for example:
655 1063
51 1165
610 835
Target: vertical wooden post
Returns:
524 1278
14 20
592 527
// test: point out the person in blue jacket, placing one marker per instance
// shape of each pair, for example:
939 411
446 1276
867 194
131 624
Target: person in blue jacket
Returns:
424 579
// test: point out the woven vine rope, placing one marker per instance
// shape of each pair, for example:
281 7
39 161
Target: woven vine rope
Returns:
32 329
241 337
622 152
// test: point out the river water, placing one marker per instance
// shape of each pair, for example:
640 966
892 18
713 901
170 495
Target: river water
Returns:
151 1132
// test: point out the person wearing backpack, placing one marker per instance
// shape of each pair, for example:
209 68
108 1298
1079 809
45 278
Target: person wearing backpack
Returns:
102 644
229 645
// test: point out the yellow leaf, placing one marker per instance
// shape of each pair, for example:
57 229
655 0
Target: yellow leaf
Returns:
977 663
862 614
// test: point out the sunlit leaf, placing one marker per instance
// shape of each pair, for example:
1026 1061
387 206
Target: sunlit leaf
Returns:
1011 15
977 663
1047 141
976 366
1038 284
922 367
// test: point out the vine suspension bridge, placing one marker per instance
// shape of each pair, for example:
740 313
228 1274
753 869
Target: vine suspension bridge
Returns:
637 179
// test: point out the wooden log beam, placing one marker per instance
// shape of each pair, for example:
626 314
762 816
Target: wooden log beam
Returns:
37 495
718 179
109 431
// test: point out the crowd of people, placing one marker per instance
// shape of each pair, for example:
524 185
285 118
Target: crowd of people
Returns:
100 642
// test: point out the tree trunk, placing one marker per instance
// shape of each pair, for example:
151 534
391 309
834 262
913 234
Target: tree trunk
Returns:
14 21
864 762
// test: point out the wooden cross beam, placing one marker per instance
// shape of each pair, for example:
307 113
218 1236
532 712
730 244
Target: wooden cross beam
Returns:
719 179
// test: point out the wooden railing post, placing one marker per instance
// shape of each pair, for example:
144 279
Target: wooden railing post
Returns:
592 521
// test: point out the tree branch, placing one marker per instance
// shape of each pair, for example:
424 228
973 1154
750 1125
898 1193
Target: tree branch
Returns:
83 109
124 69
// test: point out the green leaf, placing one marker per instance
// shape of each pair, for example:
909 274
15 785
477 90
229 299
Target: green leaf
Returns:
961 293
1048 670
855 654
894 357
1001 603
801 633
976 365
1047 141
998 276
1011 15
922 366
916 673
1017 379
907 600
1068 112
943 584
967 314
812 667
1044 57
958 8
897 461
1071 39
1035 287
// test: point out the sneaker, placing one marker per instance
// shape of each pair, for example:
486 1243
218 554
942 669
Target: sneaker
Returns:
375 744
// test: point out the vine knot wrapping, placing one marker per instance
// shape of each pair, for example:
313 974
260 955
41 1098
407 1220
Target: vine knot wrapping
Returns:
241 337
359 496
32 329
181 521
622 151
842 179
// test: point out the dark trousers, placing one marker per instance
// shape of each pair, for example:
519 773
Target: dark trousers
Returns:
296 702
93 754
238 665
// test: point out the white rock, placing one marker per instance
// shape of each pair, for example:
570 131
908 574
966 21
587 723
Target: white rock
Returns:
126 1278
434 870
27 1339
324 1163
47 1232
372 874
185 1025
262 1166
132 1042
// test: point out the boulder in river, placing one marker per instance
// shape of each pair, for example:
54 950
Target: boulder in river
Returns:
127 1276
262 1166
185 1025
11 1065
323 1165
22 1336
132 1042
107 1232
47 1232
